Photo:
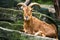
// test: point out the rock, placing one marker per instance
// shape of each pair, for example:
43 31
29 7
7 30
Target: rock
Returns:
18 35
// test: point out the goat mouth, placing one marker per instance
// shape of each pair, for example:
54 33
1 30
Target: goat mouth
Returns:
26 19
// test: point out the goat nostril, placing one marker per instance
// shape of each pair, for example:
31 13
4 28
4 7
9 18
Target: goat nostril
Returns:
26 16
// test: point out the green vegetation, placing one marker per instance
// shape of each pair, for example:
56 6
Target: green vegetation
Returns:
13 3
44 1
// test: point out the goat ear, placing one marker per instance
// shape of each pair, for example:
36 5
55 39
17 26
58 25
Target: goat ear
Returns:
22 7
30 8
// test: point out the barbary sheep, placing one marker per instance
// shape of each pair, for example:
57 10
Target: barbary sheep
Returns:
33 25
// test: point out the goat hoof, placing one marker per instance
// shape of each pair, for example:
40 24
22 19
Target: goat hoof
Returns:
43 35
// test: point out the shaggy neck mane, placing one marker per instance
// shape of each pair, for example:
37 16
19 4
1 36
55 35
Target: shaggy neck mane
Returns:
29 22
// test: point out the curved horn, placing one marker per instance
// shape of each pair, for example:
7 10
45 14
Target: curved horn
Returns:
33 4
27 2
21 4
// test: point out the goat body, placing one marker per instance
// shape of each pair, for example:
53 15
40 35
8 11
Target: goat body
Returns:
35 25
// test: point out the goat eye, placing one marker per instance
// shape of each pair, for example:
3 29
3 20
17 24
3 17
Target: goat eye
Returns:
31 10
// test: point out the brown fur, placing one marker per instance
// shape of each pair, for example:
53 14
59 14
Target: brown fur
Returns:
34 25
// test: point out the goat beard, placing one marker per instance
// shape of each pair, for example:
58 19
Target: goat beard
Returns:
28 19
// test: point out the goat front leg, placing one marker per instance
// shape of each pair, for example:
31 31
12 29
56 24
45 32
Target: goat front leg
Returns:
57 37
27 30
40 33
24 28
